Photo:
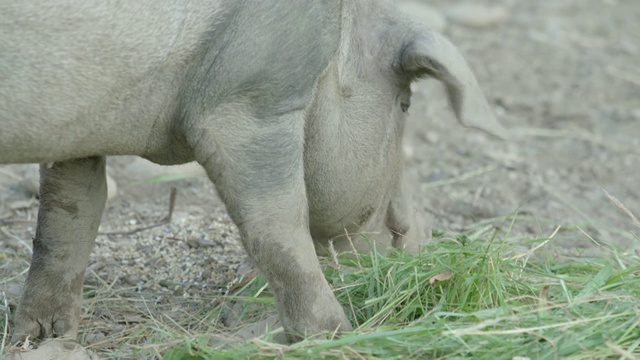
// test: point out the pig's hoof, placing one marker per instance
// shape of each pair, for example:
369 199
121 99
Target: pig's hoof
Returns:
295 335
43 327
326 319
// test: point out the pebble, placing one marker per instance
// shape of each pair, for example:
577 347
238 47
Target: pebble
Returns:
427 14
172 255
95 337
476 15
195 243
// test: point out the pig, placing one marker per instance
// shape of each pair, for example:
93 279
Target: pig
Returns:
295 109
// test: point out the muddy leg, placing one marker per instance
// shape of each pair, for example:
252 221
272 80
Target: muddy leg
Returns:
72 198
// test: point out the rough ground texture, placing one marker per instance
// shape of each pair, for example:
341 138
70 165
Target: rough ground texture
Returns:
562 74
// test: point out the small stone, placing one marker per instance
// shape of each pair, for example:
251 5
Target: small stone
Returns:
426 14
193 243
132 279
206 275
476 15
204 242
95 337
117 328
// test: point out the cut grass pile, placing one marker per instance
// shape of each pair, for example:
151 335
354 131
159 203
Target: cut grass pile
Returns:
466 298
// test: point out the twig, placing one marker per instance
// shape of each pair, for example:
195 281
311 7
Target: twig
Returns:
18 239
8 222
620 351
12 175
6 322
166 220
463 177
621 206
130 232
172 203
530 252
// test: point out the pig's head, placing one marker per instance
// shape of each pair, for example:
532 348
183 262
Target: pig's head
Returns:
353 154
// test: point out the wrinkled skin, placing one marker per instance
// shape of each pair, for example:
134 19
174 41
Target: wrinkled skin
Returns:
295 109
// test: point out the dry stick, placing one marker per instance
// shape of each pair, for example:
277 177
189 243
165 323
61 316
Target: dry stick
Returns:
10 174
533 249
166 220
8 222
18 239
6 322
621 206
620 351
461 177
172 203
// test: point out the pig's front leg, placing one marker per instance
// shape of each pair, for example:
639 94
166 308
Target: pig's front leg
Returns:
257 167
72 198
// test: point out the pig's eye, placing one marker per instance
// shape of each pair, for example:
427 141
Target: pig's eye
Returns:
404 106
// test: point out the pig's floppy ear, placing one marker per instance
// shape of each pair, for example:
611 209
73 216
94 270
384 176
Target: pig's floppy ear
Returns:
431 54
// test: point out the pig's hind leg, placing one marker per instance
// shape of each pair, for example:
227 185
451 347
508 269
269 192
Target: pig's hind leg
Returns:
72 199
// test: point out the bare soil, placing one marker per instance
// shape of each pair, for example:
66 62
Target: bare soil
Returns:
562 74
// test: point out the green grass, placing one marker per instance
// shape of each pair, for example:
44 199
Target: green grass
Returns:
491 303
495 300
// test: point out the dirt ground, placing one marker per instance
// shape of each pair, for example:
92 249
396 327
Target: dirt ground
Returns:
562 74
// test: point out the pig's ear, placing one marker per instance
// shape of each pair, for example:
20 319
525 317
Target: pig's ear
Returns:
431 54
